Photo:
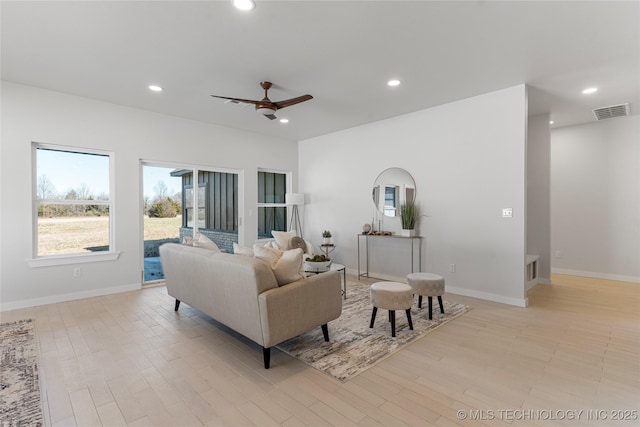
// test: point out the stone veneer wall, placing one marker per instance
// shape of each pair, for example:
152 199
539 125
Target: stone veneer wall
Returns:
224 239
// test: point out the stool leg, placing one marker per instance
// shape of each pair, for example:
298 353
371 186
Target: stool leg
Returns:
408 311
441 305
419 301
392 316
373 316
430 306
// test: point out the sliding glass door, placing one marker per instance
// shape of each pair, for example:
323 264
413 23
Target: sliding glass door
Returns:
177 205
162 215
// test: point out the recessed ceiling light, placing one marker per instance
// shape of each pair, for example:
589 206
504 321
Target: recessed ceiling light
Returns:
284 120
550 122
393 82
155 88
590 90
244 4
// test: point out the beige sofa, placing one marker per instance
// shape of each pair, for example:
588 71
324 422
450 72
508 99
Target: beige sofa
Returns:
242 293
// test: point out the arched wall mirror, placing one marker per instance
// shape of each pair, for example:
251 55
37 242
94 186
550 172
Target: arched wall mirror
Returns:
392 188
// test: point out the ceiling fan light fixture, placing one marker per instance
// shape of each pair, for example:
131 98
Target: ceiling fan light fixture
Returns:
265 111
244 5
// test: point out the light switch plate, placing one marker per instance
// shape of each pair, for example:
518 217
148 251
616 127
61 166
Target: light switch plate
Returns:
507 212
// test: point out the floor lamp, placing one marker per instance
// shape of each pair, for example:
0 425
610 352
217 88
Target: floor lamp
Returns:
295 200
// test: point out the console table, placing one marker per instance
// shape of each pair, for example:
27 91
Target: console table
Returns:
366 237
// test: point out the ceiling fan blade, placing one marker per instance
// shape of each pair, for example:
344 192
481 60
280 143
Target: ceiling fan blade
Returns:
246 101
270 116
292 101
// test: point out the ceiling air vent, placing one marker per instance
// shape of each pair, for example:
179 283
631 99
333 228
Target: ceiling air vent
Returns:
611 111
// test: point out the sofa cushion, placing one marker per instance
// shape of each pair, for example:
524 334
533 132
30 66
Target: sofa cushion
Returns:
267 254
289 266
242 250
202 241
282 238
286 265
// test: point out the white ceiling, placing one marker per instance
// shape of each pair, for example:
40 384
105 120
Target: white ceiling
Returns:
341 52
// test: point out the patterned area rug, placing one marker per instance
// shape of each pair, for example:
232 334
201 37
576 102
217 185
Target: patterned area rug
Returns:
353 346
19 387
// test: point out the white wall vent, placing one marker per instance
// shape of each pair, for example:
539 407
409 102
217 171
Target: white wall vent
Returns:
611 111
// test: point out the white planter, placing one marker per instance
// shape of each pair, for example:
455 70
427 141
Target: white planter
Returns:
326 240
408 233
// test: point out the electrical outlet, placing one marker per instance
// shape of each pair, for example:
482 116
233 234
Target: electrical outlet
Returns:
558 254
452 268
507 212
77 272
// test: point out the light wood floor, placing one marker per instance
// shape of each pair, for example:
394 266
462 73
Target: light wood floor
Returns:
128 359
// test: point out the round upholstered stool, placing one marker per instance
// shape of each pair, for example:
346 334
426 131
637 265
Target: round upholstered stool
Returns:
391 296
429 285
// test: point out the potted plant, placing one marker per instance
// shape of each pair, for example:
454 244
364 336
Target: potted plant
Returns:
326 237
408 216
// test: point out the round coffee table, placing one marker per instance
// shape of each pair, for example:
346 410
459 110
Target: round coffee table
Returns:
334 266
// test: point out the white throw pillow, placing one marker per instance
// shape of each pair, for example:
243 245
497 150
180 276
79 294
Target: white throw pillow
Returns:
266 254
241 250
271 244
309 248
202 241
283 237
288 267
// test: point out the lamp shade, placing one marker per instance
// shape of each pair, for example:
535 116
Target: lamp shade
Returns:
296 199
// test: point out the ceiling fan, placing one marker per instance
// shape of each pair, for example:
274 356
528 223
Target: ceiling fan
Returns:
265 106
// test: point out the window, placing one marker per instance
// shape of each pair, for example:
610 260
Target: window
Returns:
272 211
390 200
217 200
72 201
187 217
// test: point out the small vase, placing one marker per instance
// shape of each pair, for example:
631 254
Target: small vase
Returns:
326 240
408 233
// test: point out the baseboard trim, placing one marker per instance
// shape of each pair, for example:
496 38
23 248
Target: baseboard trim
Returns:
519 302
15 305
596 275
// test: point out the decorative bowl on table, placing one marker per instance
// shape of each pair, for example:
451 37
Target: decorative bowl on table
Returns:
317 263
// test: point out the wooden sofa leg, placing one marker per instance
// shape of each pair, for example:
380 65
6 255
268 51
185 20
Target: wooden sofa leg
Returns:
266 355
177 305
325 332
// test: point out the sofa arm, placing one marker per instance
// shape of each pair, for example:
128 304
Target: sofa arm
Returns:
298 307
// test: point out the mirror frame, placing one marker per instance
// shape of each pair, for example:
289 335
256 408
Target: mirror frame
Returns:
403 190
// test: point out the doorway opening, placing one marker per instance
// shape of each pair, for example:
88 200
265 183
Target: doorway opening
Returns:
162 216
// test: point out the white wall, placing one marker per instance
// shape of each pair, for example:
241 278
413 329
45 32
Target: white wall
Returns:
468 161
538 193
595 199
30 114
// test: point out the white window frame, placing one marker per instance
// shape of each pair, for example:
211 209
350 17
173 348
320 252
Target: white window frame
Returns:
288 186
66 259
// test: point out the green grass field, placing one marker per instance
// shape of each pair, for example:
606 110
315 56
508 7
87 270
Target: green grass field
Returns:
58 236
